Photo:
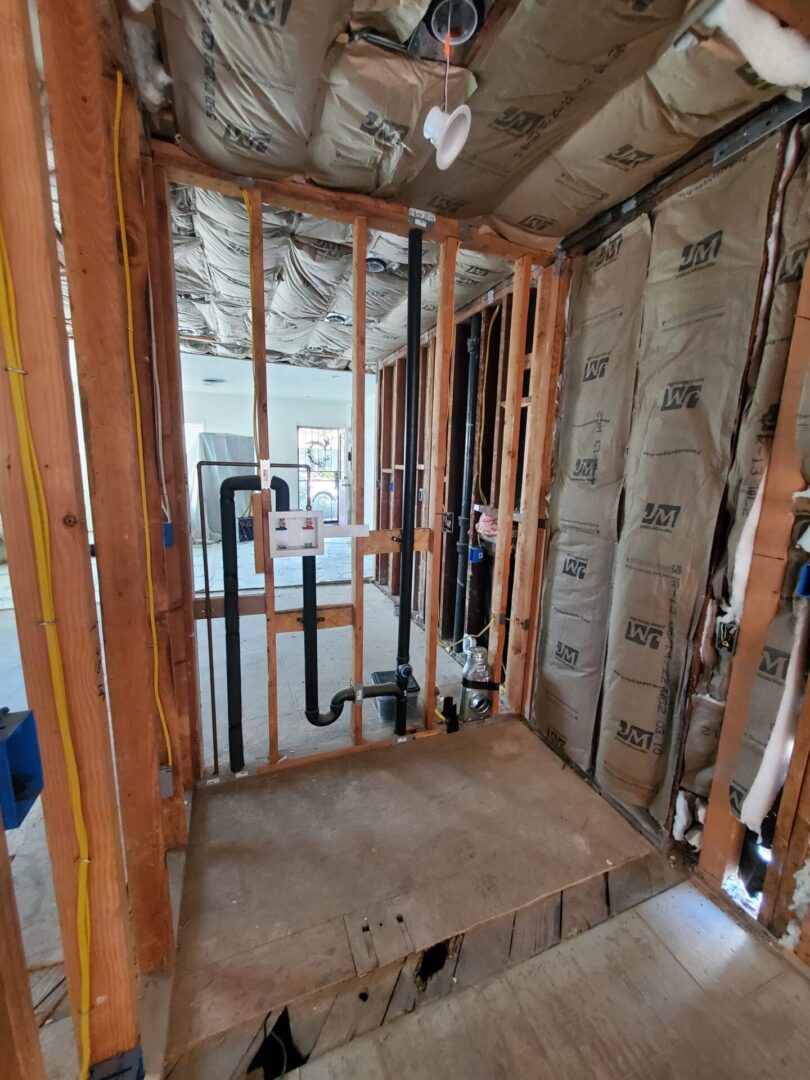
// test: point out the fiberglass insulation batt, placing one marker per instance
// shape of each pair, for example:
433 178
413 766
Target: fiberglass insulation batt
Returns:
597 395
639 133
705 264
540 76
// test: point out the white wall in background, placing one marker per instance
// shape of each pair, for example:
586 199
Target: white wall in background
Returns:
297 397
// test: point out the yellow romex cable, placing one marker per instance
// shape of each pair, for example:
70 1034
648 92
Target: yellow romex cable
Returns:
136 401
40 530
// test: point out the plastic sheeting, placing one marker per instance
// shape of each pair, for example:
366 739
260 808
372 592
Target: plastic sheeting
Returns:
699 301
210 446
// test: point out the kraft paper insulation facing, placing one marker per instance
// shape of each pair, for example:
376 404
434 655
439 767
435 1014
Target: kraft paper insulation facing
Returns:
604 323
699 302
279 88
695 304
774 697
689 93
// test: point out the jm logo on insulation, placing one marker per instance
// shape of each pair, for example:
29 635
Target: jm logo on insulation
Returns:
773 664
644 633
684 394
608 252
585 468
635 737
702 254
660 516
595 367
567 654
574 567
628 157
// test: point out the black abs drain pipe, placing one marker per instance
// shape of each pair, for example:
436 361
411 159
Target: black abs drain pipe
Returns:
230 570
404 669
312 709
463 545
399 688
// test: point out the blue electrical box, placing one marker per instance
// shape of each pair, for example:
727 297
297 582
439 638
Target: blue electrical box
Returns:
20 766
126 1066
476 554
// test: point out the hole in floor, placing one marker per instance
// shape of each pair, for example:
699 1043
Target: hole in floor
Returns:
278 1054
432 962
363 995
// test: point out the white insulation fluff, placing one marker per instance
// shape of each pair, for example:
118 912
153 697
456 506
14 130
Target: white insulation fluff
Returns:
777 53
773 770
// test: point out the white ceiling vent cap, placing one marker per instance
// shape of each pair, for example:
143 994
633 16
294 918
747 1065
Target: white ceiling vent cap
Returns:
448 132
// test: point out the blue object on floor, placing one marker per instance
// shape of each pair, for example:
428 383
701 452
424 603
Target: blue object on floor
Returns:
20 766
803 586
126 1066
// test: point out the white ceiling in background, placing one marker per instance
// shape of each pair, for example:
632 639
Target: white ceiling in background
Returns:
283 380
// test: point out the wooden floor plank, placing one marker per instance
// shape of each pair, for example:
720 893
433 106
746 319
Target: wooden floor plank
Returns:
718 952
622 1001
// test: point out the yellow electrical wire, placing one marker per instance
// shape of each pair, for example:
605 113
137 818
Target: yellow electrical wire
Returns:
495 315
246 201
40 529
447 645
133 371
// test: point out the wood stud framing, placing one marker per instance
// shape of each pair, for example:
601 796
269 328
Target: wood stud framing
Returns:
438 461
26 217
19 1036
546 359
257 315
343 206
78 97
722 836
360 237
178 557
509 465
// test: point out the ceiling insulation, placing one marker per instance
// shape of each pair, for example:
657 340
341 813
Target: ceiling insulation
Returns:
689 93
261 87
575 107
307 283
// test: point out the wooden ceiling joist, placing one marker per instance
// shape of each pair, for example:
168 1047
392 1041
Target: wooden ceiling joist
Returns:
345 206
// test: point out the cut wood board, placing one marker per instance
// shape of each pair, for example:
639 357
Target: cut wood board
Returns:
444 844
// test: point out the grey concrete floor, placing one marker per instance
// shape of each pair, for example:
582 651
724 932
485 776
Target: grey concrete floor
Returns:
296 736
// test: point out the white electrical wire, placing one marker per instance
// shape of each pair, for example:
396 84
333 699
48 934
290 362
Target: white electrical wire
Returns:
164 493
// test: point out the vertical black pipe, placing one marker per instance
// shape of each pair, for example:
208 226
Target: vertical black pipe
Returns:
230 574
473 351
409 478
309 618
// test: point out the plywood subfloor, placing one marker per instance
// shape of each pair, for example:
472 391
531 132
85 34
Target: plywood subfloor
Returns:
674 989
424 840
